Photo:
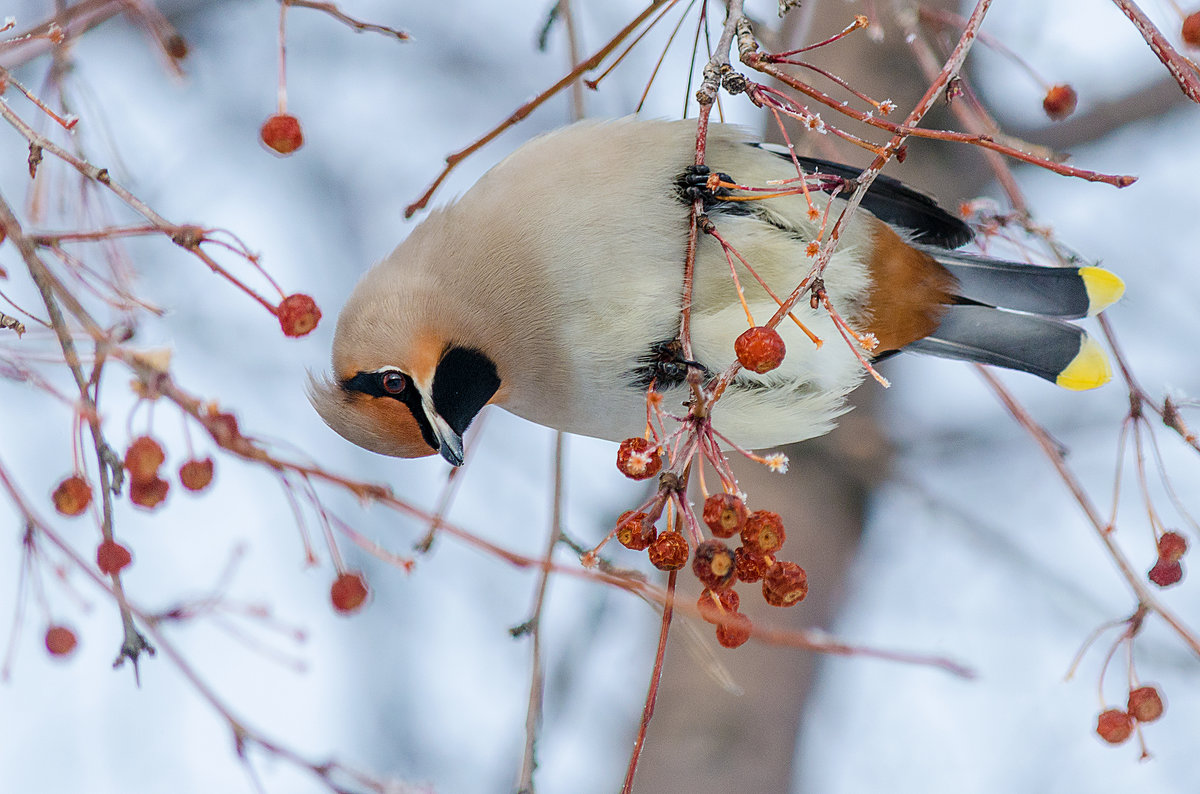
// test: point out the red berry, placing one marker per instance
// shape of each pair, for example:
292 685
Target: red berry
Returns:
638 459
716 604
60 641
634 531
785 584
176 46
1191 30
72 496
224 428
196 475
1145 704
1114 726
298 314
734 630
725 514
1165 574
763 532
760 349
669 551
1060 102
714 565
348 592
111 557
281 133
751 566
1171 546
149 494
142 459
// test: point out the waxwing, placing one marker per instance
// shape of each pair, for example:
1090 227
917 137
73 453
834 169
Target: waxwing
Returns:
553 288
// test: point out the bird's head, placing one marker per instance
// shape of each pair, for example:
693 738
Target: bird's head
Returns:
400 386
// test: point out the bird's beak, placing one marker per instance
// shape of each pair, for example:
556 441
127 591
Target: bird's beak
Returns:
450 442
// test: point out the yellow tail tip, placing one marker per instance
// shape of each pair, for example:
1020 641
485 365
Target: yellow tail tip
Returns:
1089 368
1104 288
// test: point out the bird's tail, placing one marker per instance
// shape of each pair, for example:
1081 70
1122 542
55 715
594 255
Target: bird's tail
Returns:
1013 315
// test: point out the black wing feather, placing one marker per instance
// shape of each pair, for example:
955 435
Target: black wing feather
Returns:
895 202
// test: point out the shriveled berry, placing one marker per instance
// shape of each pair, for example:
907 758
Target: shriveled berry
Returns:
1114 726
298 314
751 566
634 531
72 496
149 494
1145 704
348 592
176 46
669 551
760 349
60 641
638 459
1060 102
763 532
1171 546
714 565
715 604
725 514
224 428
784 584
196 475
111 557
1191 29
142 459
1165 574
281 133
734 630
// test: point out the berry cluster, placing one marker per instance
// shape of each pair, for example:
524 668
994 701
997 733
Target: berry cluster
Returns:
720 566
1168 570
1144 705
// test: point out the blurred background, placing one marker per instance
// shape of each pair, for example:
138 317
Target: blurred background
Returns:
928 522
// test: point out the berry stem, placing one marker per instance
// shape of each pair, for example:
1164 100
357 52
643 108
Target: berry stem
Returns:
655 679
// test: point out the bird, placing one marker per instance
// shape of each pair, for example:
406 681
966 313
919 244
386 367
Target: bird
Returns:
553 288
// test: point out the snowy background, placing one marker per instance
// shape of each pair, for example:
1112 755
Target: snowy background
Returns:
973 549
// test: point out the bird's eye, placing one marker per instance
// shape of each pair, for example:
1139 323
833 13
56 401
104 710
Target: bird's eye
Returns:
393 382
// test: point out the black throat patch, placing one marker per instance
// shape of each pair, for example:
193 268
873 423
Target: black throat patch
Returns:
464 381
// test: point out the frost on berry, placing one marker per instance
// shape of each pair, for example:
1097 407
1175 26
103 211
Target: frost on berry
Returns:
763 532
1114 726
298 314
669 551
638 459
1145 704
1165 574
72 496
634 531
196 475
60 641
348 592
734 630
714 565
1190 33
281 133
716 604
751 566
725 514
759 349
148 494
1060 102
784 584
111 557
1171 546
142 459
